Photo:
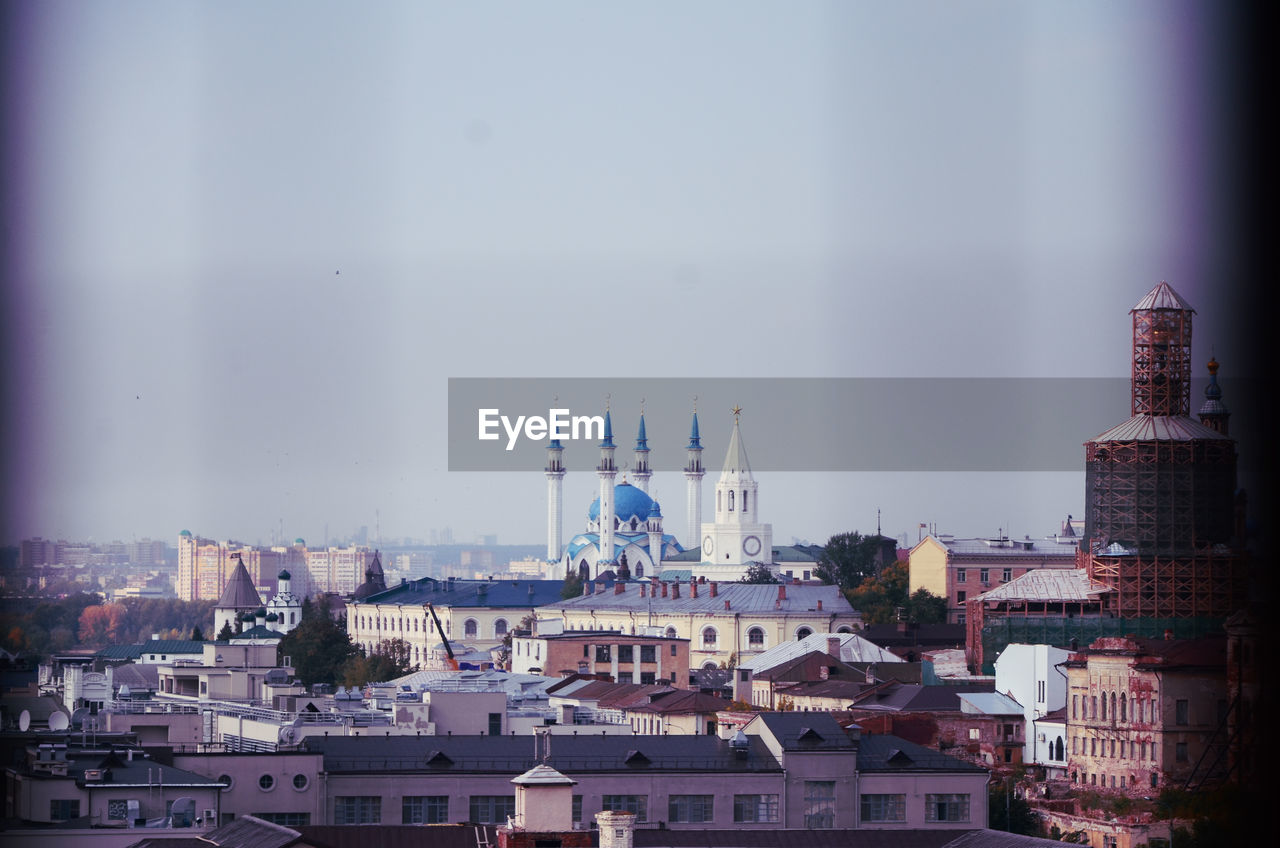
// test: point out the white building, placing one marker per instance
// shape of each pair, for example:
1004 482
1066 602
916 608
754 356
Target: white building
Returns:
1029 675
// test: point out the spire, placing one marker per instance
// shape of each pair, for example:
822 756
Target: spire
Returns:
735 459
608 430
642 443
1161 368
695 443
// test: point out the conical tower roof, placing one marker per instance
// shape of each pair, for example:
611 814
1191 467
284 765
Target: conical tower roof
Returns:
239 592
1162 297
735 459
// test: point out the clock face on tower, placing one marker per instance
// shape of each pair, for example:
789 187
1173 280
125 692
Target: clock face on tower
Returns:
708 546
751 545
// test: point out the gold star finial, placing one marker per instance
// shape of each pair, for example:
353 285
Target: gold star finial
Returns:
737 410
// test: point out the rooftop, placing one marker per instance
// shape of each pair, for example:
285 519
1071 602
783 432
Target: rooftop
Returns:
741 597
517 594
1048 584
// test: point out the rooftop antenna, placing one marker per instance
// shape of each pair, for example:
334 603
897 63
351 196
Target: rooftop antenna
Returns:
877 521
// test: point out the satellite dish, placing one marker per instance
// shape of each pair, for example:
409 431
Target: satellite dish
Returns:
183 812
78 717
59 721
24 720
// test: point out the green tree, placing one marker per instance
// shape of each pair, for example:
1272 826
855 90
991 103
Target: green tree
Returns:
847 560
197 635
319 648
1008 812
226 633
389 660
758 572
573 585
925 608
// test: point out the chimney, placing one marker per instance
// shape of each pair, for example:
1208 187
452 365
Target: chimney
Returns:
782 592
819 604
675 591
600 587
726 603
693 588
642 588
589 588
833 646
714 588
664 590
616 829
619 588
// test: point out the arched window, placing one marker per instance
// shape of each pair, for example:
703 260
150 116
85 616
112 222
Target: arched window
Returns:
671 633
803 633
1113 706
500 628
844 628
731 500
708 638
1059 749
639 569
469 628
583 571
744 500
755 638
1124 707
709 665
1104 706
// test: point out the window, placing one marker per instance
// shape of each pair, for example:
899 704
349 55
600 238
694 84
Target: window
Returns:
492 809
648 653
425 809
1075 706
731 500
671 634
357 809
946 808
300 782
1124 707
1006 575
638 804
1040 691
803 633
673 647
690 808
984 575
960 596
819 803
1182 711
266 783
470 628
962 576
755 808
884 808
755 638
603 654
495 724
1104 706
286 819
1180 752
626 654
709 639
647 678
744 501
577 808
64 810
500 628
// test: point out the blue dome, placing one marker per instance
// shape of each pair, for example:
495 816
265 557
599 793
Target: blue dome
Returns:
628 502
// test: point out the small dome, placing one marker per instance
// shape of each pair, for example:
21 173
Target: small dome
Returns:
299 541
272 617
185 533
284 575
655 511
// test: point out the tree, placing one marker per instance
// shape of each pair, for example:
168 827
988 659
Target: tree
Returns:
197 635
758 572
926 608
504 654
1008 812
226 634
388 661
318 647
848 559
573 585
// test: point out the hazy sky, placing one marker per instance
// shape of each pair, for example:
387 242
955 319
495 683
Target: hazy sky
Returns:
253 241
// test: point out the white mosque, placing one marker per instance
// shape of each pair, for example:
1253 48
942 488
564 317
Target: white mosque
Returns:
624 532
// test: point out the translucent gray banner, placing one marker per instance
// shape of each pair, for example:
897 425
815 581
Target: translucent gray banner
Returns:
803 424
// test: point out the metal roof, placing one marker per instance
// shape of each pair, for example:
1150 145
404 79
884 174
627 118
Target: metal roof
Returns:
990 703
239 592
757 598
853 648
1162 297
880 753
489 594
1160 428
1048 584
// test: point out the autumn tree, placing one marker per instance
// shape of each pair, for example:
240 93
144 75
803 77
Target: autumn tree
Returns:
389 660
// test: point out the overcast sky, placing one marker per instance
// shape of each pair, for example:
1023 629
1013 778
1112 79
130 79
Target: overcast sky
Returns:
250 243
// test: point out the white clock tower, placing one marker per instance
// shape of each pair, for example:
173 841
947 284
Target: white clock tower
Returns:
736 538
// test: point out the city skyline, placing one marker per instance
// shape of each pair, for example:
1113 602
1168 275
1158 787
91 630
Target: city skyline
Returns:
255 243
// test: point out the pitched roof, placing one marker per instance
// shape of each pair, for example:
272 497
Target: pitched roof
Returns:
759 598
1160 428
1162 297
153 646
1048 584
682 702
882 752
812 731
514 594
239 592
853 647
